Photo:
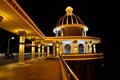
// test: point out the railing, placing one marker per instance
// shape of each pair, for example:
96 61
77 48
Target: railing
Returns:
84 56
67 73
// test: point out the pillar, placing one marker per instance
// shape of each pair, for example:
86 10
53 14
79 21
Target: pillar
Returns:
86 47
61 48
33 49
61 33
53 49
43 50
21 46
85 33
39 50
72 47
90 47
57 49
48 51
75 46
56 33
94 48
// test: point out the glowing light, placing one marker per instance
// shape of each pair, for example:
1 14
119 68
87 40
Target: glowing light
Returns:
85 28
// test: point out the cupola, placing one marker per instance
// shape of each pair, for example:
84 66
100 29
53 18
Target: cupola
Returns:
70 25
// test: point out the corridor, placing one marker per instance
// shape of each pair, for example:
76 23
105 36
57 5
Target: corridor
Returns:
41 69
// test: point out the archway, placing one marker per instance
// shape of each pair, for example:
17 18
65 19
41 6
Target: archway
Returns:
80 48
67 48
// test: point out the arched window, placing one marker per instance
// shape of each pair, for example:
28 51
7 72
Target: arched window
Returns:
80 48
67 48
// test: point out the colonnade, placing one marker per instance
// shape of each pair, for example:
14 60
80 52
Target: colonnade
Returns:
58 48
41 48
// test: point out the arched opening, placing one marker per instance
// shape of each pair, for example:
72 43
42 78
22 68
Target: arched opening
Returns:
67 48
80 48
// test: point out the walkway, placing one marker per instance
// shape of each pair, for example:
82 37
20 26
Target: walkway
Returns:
38 70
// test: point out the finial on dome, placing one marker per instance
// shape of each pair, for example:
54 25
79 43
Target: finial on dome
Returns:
69 10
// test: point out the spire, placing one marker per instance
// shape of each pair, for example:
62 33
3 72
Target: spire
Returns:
69 10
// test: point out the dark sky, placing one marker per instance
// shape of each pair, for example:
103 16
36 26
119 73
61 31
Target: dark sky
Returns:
99 15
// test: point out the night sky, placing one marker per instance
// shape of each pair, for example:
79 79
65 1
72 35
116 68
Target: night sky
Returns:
99 15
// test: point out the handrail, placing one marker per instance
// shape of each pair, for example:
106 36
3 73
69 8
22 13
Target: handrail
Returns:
63 71
69 70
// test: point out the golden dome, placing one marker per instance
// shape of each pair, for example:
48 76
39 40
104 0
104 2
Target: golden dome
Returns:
69 18
70 25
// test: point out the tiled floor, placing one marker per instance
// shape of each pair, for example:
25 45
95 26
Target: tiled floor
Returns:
38 70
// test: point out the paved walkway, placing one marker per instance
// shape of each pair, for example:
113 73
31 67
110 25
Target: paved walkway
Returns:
38 70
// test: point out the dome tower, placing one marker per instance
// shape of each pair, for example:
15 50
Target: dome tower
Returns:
70 25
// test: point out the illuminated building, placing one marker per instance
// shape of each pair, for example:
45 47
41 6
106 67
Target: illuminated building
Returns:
70 42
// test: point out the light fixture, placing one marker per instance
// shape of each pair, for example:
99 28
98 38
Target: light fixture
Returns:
1 18
12 38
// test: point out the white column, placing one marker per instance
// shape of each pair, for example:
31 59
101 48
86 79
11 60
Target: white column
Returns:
90 47
94 48
33 49
21 46
86 47
56 33
85 30
48 51
61 48
39 50
75 46
57 49
85 33
42 50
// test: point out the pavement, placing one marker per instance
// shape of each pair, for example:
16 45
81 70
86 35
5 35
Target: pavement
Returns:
40 69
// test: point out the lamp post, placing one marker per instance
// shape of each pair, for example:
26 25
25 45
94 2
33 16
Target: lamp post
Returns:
11 38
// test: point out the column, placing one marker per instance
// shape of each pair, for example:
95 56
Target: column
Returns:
56 33
75 46
57 49
33 49
94 48
61 33
90 47
72 47
48 51
21 46
85 33
61 48
86 47
85 30
39 50
53 49
43 50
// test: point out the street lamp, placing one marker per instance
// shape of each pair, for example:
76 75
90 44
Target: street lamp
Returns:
11 38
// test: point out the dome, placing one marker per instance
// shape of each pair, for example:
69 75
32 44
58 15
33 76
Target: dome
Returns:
69 18
70 24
